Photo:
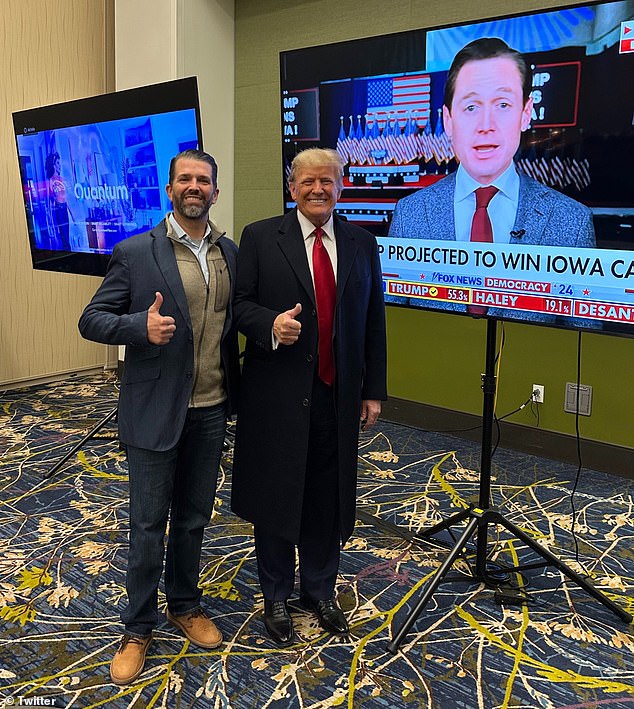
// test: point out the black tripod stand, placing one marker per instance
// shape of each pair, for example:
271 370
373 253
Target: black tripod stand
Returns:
91 434
483 515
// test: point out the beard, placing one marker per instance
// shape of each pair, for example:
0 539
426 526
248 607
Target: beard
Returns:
191 211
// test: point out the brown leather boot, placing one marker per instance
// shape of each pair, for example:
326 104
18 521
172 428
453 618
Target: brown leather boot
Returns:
198 628
129 660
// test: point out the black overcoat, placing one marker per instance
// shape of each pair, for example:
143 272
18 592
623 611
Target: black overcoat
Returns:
274 408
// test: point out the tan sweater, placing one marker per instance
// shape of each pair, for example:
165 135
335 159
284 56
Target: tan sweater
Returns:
207 310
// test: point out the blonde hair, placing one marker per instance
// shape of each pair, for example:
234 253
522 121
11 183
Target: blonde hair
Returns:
317 157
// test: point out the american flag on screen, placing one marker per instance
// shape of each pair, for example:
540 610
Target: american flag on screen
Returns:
400 95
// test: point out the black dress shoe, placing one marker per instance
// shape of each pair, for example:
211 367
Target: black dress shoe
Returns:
331 617
278 622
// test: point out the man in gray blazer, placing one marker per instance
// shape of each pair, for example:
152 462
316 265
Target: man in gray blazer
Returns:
487 105
167 297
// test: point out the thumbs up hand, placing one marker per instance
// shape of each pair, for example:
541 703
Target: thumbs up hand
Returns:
285 328
160 329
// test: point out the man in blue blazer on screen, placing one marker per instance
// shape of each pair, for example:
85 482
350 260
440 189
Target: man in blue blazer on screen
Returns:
487 105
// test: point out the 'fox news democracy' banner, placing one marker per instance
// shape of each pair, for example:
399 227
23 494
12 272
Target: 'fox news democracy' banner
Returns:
596 284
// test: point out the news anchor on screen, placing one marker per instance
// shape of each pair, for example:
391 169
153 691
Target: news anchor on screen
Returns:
487 106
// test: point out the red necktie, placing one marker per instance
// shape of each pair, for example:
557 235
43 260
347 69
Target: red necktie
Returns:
481 229
325 294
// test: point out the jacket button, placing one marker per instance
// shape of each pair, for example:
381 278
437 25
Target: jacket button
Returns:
305 402
313 312
309 358
188 375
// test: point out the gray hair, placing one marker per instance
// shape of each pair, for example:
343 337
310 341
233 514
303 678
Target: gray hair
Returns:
317 157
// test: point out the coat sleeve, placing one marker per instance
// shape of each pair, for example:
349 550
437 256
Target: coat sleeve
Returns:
585 237
106 318
252 318
396 225
397 230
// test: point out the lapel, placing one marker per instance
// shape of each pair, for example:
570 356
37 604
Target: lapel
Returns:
532 215
231 267
292 246
347 248
166 261
291 243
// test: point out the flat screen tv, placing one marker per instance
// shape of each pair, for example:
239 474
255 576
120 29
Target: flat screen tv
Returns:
94 170
562 253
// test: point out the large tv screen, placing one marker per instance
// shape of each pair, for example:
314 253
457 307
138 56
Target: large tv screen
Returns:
94 170
559 246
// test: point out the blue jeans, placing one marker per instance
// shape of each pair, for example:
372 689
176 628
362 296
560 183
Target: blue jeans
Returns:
179 483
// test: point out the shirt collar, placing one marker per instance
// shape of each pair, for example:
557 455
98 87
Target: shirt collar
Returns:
508 183
176 231
308 227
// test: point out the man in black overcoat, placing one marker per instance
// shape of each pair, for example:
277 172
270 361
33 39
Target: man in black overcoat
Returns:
309 299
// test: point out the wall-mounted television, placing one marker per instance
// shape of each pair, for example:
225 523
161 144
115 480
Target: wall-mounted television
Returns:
562 253
94 170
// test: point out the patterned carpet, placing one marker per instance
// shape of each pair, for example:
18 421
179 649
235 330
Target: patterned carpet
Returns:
62 561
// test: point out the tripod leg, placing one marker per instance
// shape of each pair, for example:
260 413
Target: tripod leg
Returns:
566 570
385 525
81 443
445 524
391 528
431 587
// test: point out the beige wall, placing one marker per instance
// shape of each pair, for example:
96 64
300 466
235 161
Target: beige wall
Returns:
207 50
154 59
52 50
186 38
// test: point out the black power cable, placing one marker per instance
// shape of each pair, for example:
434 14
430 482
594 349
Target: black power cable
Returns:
579 461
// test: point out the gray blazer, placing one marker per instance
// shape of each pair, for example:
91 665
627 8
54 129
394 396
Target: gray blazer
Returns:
544 217
157 379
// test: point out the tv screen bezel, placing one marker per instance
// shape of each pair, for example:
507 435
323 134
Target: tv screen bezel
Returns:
411 36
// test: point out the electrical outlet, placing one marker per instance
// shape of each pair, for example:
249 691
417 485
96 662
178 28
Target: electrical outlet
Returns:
581 399
538 393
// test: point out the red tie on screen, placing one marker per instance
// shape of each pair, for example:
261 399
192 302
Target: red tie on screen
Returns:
325 293
481 229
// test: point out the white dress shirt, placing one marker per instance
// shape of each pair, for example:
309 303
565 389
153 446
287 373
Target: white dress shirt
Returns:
328 239
502 208
198 248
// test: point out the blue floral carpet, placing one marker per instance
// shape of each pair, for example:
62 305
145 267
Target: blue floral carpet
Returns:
63 544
